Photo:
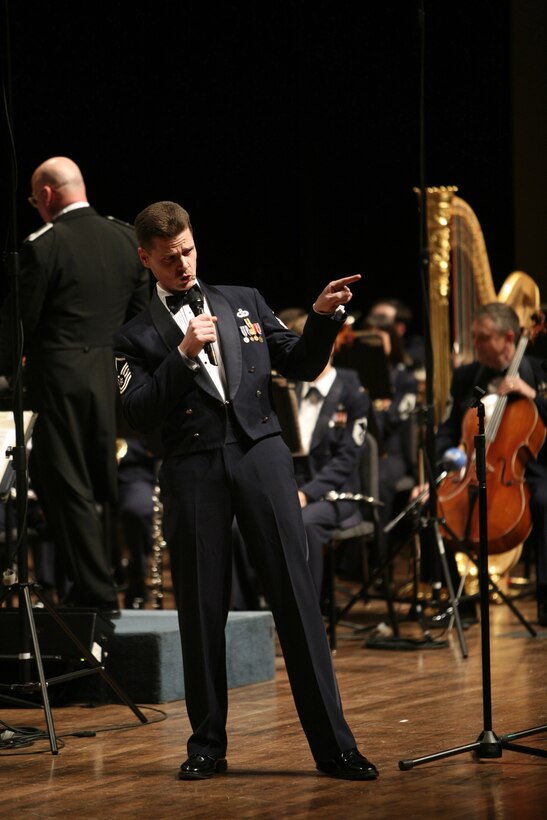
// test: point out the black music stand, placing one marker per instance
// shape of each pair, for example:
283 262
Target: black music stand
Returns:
366 356
286 407
430 522
18 583
488 744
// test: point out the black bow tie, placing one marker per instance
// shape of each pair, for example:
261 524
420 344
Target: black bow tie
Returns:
175 301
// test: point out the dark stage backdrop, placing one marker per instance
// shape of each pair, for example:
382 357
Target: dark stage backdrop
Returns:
289 130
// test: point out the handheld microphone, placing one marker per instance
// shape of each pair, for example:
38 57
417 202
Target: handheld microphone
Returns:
454 459
195 300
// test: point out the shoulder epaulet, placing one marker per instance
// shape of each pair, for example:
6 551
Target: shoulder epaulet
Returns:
120 221
40 232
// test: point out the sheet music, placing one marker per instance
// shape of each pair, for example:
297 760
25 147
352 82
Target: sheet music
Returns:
7 440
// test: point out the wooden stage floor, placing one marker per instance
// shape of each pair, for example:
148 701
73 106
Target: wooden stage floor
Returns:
401 705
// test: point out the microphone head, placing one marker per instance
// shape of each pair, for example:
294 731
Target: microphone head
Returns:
194 294
454 459
194 298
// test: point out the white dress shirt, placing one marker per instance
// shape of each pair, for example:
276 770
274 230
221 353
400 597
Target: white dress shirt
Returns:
309 409
182 318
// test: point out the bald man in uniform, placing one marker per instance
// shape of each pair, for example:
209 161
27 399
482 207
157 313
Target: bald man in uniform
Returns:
80 280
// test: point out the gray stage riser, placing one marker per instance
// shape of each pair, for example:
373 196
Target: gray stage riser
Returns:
144 654
140 651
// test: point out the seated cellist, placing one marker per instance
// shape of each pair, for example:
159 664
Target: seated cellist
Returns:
495 331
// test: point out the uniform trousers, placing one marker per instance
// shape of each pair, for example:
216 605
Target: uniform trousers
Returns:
72 515
201 492
72 462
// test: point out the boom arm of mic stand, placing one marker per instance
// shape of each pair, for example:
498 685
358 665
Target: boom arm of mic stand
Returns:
413 504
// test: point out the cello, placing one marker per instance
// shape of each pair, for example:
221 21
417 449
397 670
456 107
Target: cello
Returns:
514 434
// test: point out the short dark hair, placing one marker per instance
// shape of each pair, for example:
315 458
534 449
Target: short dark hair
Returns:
162 219
402 311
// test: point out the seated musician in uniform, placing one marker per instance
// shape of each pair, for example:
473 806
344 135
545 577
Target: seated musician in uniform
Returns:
333 415
495 331
397 313
391 415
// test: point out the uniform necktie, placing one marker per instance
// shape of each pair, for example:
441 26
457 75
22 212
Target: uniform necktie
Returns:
313 395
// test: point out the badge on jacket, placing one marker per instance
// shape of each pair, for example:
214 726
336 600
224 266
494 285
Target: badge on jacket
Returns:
124 374
251 331
339 417
360 431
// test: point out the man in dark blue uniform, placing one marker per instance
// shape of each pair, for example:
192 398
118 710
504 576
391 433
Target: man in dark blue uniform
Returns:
80 280
391 415
202 373
333 416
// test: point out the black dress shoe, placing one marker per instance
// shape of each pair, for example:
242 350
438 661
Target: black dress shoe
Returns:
200 767
110 610
350 765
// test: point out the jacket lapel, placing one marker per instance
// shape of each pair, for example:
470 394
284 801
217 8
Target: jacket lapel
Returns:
229 340
171 335
170 332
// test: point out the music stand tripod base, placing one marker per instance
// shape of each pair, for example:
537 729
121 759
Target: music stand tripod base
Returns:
25 608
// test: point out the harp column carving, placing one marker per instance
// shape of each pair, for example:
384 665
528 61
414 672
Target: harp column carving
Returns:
439 202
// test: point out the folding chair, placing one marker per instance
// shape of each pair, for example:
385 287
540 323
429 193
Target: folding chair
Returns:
362 525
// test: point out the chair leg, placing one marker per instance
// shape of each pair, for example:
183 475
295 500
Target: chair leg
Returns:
361 595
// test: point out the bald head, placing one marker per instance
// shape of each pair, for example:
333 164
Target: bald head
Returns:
56 183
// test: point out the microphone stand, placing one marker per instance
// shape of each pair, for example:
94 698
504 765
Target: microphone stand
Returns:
431 522
488 744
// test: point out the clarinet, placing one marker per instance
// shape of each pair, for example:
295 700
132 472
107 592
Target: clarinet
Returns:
158 547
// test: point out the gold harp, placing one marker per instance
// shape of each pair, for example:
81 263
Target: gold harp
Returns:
460 280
